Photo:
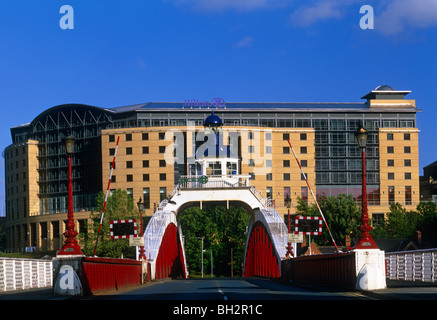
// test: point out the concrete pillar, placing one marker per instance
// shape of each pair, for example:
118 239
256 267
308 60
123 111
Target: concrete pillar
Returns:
370 269
66 275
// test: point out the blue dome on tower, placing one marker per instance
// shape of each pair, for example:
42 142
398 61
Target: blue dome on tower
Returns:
213 121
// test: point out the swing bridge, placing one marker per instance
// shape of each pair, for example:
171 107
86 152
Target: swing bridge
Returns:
267 237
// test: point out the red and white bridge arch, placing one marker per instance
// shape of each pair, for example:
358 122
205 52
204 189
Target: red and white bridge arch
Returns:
266 243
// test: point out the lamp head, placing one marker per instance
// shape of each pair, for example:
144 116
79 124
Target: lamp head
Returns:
68 142
361 137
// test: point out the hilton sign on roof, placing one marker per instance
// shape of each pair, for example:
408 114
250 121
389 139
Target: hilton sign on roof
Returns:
216 102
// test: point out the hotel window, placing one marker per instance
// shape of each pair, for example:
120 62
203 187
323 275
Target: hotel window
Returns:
286 150
303 136
129 164
162 163
251 162
110 165
285 136
268 176
251 149
129 150
269 192
214 169
162 193
113 178
377 219
286 163
268 136
250 135
407 175
268 150
389 136
338 125
128 137
303 150
130 192
304 194
391 176
391 195
286 177
287 193
251 176
407 163
111 138
407 149
390 163
129 178
145 163
145 177
390 149
408 195
145 150
407 136
161 135
304 163
145 136
269 163
406 123
161 149
146 198
111 151
162 176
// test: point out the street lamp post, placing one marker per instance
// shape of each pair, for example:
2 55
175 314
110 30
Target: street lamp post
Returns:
288 205
141 208
202 253
366 241
70 246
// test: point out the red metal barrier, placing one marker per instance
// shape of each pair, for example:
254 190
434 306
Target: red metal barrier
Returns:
170 260
100 274
261 259
326 270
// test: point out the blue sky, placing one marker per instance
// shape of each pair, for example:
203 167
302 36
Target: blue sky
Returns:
127 52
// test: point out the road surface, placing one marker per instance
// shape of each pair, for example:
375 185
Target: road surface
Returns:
226 289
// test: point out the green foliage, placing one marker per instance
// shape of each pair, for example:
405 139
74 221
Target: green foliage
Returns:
119 206
342 215
402 224
222 230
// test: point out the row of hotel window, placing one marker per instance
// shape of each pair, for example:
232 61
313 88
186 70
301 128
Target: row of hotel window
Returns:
373 194
321 124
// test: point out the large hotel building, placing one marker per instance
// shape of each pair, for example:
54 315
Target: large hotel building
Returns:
157 143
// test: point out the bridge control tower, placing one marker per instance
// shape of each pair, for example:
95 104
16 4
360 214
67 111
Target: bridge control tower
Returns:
214 175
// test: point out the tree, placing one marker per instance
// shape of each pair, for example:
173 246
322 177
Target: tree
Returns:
401 223
342 214
428 222
119 206
222 230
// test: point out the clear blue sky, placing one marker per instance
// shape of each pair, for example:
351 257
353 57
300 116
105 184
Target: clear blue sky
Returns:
128 52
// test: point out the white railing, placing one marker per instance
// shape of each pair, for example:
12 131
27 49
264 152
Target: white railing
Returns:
155 231
219 182
23 274
416 265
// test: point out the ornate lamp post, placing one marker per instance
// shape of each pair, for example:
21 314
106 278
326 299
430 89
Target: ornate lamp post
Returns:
141 208
288 205
366 241
70 246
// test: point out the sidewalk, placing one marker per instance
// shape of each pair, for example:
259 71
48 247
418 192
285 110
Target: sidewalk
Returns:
32 294
406 290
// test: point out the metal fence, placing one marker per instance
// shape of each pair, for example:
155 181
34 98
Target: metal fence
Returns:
23 274
417 265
